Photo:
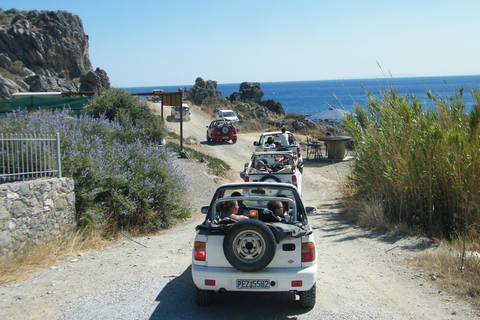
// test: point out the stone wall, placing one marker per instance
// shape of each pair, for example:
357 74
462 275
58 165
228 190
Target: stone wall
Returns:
33 211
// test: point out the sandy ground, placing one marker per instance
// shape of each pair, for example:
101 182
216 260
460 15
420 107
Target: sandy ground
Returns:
360 275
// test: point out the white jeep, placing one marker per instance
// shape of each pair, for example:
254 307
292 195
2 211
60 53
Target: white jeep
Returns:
274 166
270 141
268 252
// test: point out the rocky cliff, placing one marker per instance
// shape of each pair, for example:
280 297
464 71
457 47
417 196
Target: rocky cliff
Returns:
45 51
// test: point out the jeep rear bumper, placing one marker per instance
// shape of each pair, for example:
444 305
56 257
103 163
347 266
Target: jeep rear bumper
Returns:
280 279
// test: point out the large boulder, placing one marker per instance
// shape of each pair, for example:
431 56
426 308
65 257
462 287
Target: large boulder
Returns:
47 50
249 91
202 90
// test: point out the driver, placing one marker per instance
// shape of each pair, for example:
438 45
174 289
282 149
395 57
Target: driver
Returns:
270 142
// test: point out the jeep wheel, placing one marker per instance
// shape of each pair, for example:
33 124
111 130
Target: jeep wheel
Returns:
249 245
308 298
234 140
208 138
203 297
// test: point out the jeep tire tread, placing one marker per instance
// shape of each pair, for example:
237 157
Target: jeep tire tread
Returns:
308 298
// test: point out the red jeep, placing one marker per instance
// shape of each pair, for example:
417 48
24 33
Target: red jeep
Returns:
221 129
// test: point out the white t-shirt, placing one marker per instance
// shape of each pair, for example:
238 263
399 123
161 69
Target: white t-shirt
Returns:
284 139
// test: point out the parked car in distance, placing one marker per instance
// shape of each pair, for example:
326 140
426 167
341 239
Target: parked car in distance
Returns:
268 252
228 115
270 141
187 114
274 166
221 130
154 98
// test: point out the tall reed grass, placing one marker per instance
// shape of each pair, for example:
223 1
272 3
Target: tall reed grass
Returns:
421 163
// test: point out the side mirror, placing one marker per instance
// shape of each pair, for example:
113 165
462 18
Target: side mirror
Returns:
204 209
311 210
255 143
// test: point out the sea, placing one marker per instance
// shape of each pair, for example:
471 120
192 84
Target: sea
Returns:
310 97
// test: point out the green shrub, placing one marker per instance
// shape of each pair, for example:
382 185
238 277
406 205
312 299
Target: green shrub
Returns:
128 110
122 180
294 115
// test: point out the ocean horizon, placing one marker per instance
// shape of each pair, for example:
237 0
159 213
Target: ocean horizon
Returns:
310 97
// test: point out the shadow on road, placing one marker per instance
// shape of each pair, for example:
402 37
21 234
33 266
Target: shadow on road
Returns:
176 301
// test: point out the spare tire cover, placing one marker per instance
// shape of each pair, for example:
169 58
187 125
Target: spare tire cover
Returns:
249 245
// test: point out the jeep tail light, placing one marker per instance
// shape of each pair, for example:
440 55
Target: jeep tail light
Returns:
247 179
296 283
294 181
199 252
253 214
298 152
308 251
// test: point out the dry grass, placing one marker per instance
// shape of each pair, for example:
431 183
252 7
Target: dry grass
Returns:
444 266
365 211
16 267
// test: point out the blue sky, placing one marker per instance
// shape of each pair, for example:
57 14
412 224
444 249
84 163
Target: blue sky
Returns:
154 43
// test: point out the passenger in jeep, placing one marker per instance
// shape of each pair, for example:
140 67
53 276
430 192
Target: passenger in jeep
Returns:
274 212
229 209
242 209
284 138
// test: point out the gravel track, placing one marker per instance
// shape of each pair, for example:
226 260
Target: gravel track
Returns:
359 276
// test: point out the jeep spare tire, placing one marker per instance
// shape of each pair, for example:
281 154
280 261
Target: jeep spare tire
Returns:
249 245
225 130
270 178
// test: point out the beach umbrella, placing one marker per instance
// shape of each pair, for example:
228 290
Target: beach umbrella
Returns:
333 113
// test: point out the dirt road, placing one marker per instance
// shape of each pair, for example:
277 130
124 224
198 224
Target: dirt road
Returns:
359 276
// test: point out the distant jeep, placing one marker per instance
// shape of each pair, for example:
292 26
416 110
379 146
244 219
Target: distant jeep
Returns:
274 166
221 130
270 141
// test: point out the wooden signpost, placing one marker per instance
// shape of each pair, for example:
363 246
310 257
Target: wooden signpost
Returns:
173 99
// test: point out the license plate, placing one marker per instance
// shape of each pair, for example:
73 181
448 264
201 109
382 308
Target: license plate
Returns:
253 284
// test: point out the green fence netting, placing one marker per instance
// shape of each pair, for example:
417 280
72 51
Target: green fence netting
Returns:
34 103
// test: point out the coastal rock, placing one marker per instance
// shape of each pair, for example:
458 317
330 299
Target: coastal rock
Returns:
45 51
38 83
202 90
249 91
95 81
273 106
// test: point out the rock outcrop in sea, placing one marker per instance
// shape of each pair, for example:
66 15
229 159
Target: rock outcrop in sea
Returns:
45 51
